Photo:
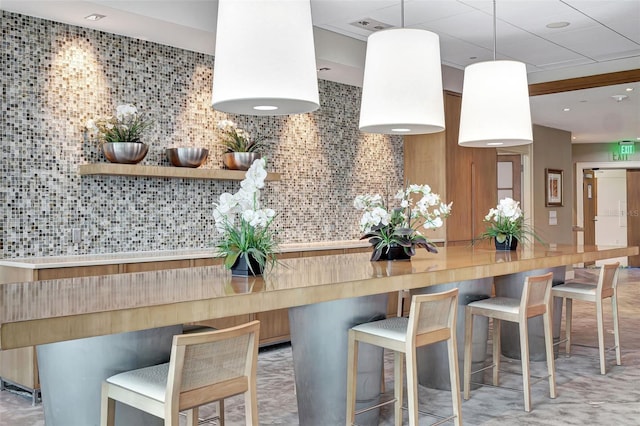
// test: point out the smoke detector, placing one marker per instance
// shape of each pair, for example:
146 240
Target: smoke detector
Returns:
370 24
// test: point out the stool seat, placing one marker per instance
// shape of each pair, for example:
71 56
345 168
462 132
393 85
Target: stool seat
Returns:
390 328
575 288
500 304
149 381
606 288
432 319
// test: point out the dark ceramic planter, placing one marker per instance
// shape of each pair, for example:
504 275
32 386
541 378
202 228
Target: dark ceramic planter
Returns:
506 246
395 253
241 267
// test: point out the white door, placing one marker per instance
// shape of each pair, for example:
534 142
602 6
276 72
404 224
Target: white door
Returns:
611 213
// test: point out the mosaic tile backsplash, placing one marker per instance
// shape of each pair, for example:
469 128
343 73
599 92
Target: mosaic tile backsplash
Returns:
55 77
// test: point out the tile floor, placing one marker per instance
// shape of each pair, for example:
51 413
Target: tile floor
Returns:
584 396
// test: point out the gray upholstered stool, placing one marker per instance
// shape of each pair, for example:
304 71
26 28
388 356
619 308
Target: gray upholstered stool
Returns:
535 301
596 293
432 319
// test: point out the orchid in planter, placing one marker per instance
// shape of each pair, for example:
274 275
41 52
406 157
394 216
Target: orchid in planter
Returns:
248 244
506 225
389 229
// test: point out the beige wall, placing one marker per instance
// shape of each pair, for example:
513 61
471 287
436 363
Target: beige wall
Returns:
552 149
589 152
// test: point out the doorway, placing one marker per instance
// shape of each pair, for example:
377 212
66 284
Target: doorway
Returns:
611 210
633 182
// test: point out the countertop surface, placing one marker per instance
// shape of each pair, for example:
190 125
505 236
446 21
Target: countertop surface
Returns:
54 310
157 256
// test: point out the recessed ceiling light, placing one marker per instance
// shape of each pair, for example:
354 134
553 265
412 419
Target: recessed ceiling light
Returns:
560 24
566 109
94 17
629 89
574 138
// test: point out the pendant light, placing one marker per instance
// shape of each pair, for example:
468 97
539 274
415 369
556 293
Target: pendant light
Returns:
402 87
495 103
265 60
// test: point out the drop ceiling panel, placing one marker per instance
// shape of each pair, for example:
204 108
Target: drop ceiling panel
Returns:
534 50
338 13
594 41
422 11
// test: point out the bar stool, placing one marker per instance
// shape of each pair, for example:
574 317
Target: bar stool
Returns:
605 288
432 319
535 301
203 368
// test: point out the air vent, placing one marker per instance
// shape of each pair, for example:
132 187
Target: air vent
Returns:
370 24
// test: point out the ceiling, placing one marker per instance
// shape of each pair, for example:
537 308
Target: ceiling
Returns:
602 36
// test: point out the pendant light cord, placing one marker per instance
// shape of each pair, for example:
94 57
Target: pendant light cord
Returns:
402 13
494 30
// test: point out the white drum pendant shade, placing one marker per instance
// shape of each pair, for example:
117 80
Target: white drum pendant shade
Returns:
495 105
265 58
402 87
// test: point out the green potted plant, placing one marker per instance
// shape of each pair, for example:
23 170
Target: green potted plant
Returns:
248 244
393 232
240 150
121 135
506 225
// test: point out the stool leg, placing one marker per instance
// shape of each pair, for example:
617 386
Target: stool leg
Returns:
524 355
412 387
600 320
616 327
107 408
468 336
192 417
496 351
452 348
398 373
221 412
567 324
352 371
548 342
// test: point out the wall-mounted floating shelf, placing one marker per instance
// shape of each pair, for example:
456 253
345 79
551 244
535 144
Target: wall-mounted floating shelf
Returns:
113 169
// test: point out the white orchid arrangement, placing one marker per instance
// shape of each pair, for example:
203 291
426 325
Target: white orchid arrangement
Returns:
126 126
236 139
386 227
244 224
506 222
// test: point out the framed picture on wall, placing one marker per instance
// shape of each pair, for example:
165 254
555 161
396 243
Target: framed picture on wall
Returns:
553 187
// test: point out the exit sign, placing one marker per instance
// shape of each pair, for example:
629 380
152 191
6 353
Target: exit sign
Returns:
627 148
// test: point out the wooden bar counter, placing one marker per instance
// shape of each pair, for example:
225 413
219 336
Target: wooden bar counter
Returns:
39 312
63 310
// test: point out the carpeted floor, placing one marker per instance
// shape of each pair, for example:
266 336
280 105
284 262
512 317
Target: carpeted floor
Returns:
584 396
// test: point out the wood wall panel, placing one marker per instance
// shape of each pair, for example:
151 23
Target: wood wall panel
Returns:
156 266
76 271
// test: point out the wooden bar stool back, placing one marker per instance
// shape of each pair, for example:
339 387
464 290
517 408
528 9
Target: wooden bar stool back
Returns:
605 288
535 301
203 368
432 319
